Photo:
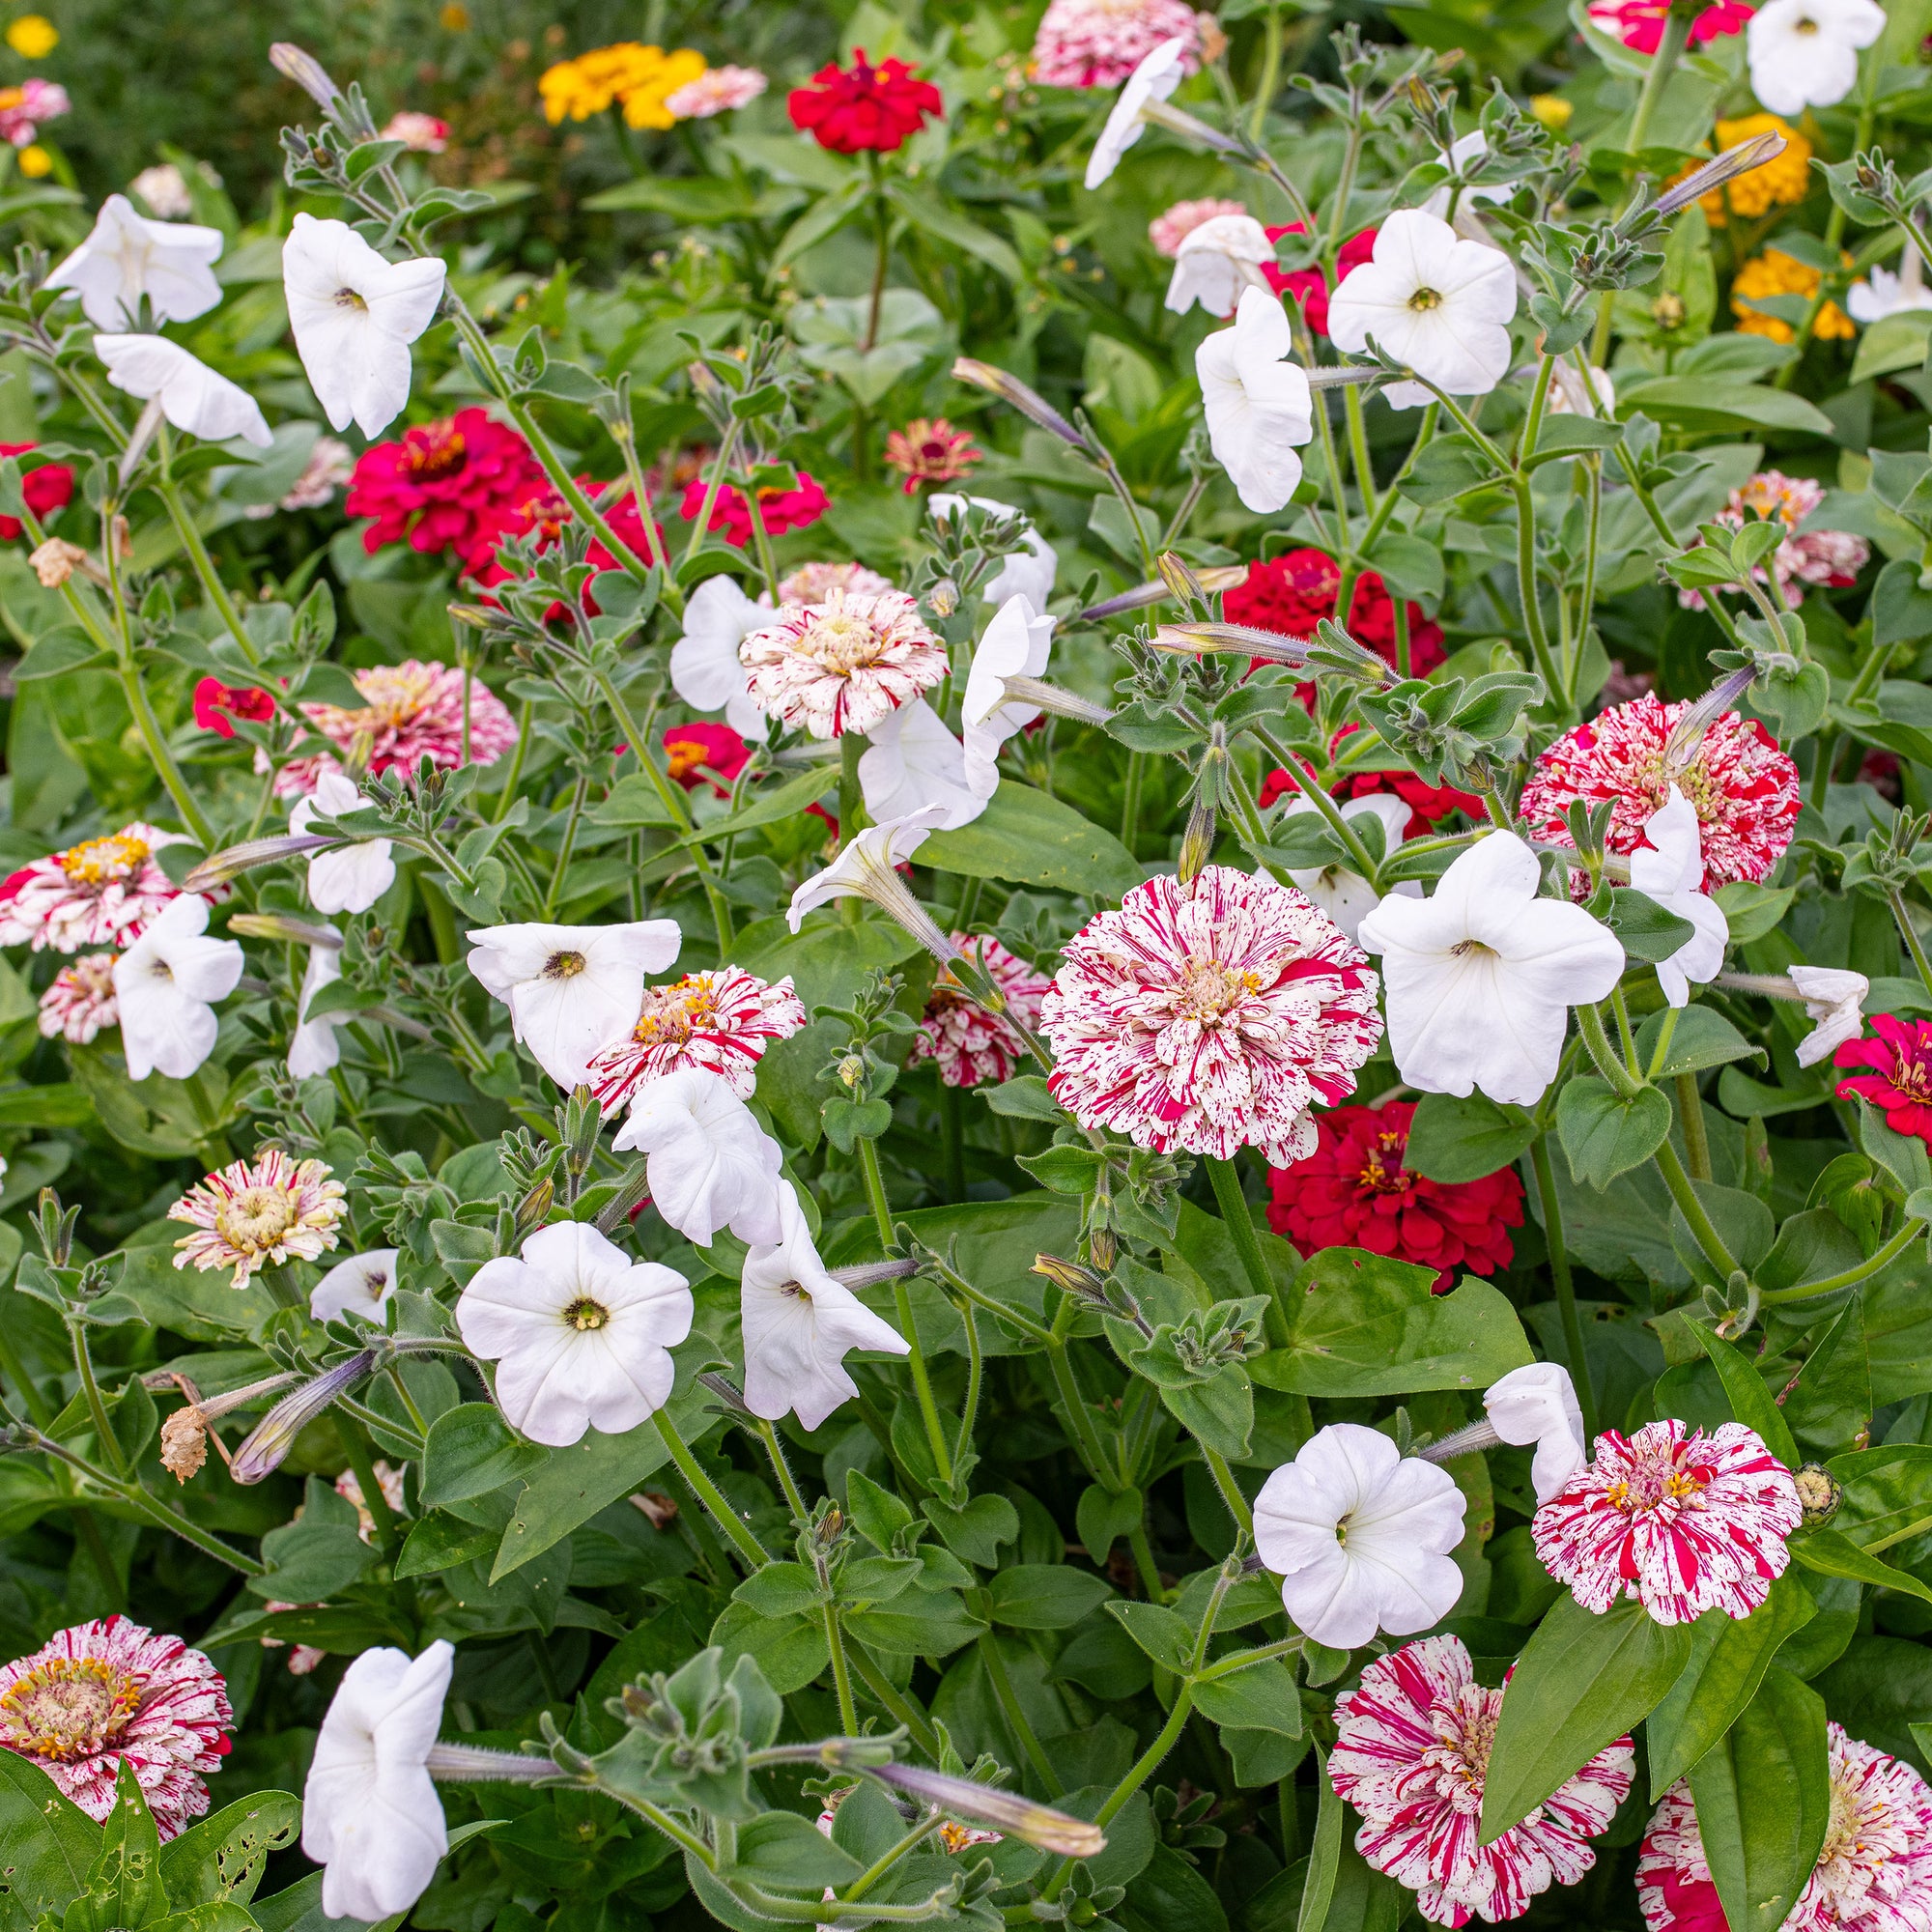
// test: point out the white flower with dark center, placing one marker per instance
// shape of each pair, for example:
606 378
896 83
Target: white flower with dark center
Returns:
1669 869
1432 300
315 1049
1216 262
1346 896
1258 408
342 878
798 1325
709 1163
1027 573
580 1334
572 990
704 668
1804 53
1479 977
1360 1536
1017 645
1155 79
126 256
913 761
354 315
166 985
360 1286
1538 1404
371 1817
1835 1000
191 395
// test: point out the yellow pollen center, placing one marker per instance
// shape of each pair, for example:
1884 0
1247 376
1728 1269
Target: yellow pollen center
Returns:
1209 988
255 1219
68 1708
1424 299
843 641
585 1313
671 1015
101 862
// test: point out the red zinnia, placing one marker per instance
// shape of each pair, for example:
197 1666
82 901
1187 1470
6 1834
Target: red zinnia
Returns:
930 451
866 107
701 754
782 509
214 701
544 512
1310 286
1290 594
1354 1192
47 489
1900 1081
1427 804
1639 23
444 485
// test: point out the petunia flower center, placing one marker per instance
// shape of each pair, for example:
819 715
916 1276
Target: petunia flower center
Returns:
797 1289
587 1312
1471 949
349 299
1424 300
564 965
255 1219
1805 26
375 1283
102 861
68 1708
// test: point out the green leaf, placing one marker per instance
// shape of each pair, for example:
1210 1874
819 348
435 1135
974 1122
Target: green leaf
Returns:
779 1850
57 653
1606 1135
1764 1803
1165 1636
1701 1037
49 1844
934 218
976 1529
1324 1855
472 1451
1831 1553
222 1856
1888 1490
1750 1399
791 1651
769 805
317 1557
1023 1098
1705 403
917 1623
1644 929
1892 342
1262 1698
1750 911
440 1542
1104 1515
1030 838
124 1884
1044 1596
1467 1139
1581 1683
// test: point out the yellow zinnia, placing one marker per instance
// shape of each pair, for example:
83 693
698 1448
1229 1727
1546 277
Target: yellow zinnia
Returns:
644 103
35 161
638 77
1776 273
33 37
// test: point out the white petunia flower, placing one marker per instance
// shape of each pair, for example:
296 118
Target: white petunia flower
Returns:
192 396
798 1325
1346 896
1156 77
1538 1404
1027 573
1834 999
166 984
1467 148
126 256
704 668
371 1817
913 761
1669 870
709 1163
354 315
1804 53
342 878
360 1286
1479 977
580 1334
1360 1536
315 1049
572 990
1883 293
1216 262
866 869
1258 404
1017 645
1432 300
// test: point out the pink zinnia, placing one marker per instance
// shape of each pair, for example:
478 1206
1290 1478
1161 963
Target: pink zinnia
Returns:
841 666
930 451
1898 1079
1099 42
718 90
103 1693
415 710
1411 1753
259 1212
1831 557
1169 230
1683 1521
425 133
1639 23
81 1000
1743 788
1873 1875
23 109
721 1021
971 1045
1210 1015
814 582
103 892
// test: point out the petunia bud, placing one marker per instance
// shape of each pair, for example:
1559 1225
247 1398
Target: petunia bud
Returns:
271 1438
233 861
1726 167
307 72
1010 390
1016 1817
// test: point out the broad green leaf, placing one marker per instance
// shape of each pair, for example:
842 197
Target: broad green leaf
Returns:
781 1851
1467 1139
917 1623
935 217
1044 1596
1705 403
791 1651
123 1890
1699 1037
222 1856
1830 1406
1166 1638
1832 1554
1262 1698
1750 1401
1604 1135
49 1844
1887 1492
472 1451
769 805
1892 342
1030 838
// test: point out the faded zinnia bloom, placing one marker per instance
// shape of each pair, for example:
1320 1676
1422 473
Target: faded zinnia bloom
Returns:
1099 42
1411 1755
930 451
1210 1015
81 1002
103 892
814 582
1744 789
720 1020
109 1692
970 1045
1833 558
841 666
1169 229
718 90
1874 1873
256 1212
415 711
1683 1521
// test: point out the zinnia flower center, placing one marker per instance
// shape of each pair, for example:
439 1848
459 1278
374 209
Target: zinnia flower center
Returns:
1207 990
1424 299
842 640
671 1015
1465 1733
252 1219
1383 1173
1845 1842
99 861
67 1707
684 755
1912 1077
587 1312
397 692
563 965
434 451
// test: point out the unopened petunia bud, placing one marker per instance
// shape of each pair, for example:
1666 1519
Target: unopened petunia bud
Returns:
306 71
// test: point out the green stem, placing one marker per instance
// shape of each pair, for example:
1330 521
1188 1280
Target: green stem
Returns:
1240 1224
1149 1763
1130 802
1358 451
1693 1209
1696 1141
1270 72
1016 1720
1566 1287
768 1434
902 1710
715 482
1909 932
841 1675
706 1490
1231 1491
1318 796
851 795
363 1464
97 1408
1590 1024
1907 1234
203 564
882 251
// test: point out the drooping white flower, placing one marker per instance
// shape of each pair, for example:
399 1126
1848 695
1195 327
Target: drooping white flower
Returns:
1438 303
1804 53
1258 404
315 1049
1216 262
1028 572
342 878
1538 1404
798 1324
192 396
913 760
580 1334
709 1163
1669 870
1834 999
1017 645
354 315
1360 1536
1479 977
1156 77
865 866
704 666
360 1286
371 1817
166 984
572 990
1882 292
125 256
1346 896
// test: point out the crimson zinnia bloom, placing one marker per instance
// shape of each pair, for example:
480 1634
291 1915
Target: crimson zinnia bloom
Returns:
930 451
1290 594
1427 804
701 754
1900 1080
542 510
1309 286
1354 1192
443 484
47 489
214 702
782 509
864 108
